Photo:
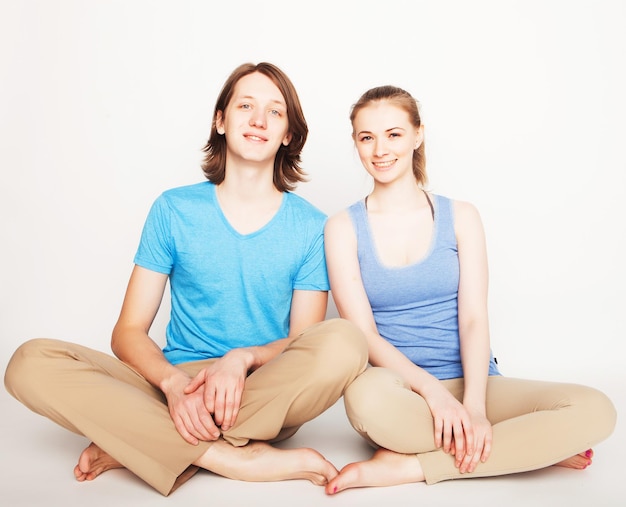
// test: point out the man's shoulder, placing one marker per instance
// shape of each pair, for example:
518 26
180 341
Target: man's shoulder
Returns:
187 191
304 207
187 196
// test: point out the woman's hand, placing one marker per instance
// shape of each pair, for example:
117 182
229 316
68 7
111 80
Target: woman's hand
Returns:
453 428
483 438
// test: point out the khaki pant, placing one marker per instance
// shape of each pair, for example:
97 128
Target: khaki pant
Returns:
535 424
96 395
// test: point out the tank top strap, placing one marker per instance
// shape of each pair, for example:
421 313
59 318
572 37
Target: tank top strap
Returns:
358 214
444 220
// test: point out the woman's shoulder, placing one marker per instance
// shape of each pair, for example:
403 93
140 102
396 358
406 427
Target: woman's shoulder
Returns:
463 213
341 226
339 219
467 220
464 209
343 218
460 207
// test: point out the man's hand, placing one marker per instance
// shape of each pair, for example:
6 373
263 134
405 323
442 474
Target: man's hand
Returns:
189 413
221 386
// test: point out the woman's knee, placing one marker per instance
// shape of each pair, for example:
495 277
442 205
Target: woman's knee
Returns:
598 406
369 392
383 409
589 411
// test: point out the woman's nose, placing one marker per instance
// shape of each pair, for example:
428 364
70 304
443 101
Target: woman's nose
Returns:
380 147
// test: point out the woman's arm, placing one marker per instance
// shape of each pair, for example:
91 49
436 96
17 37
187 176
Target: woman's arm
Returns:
352 304
473 318
452 425
473 322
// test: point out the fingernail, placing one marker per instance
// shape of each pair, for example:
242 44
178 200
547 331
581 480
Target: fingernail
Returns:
335 490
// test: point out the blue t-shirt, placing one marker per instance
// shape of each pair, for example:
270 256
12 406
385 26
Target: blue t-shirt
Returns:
415 307
229 290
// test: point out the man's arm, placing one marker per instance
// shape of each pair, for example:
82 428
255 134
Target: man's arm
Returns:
223 381
132 344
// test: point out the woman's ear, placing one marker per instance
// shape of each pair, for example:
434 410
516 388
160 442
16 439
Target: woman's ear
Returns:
419 137
287 139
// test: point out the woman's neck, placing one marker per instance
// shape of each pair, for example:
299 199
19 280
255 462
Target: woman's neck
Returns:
396 198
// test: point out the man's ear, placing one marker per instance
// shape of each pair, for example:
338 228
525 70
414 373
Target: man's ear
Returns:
219 123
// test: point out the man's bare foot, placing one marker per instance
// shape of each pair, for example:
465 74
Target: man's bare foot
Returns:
260 462
578 461
92 462
385 468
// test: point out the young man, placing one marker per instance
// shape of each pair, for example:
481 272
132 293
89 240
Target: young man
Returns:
249 357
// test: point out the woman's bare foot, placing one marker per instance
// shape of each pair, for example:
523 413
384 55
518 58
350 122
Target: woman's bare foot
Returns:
578 461
385 468
92 462
260 462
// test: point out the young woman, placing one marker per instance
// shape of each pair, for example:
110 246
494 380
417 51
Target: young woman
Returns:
409 268
248 358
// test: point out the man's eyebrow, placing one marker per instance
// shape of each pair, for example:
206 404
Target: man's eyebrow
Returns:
252 97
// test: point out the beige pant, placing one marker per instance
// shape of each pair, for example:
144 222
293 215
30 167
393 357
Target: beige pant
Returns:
96 395
535 424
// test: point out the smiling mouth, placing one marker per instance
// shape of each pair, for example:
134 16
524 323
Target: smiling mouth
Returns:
383 165
252 137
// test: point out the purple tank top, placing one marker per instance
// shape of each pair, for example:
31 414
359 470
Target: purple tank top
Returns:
415 306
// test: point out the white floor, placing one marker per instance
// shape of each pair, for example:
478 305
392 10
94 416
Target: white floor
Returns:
37 458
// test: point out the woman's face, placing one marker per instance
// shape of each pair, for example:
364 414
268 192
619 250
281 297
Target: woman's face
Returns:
385 139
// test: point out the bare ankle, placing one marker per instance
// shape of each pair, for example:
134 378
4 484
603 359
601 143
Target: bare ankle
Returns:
260 462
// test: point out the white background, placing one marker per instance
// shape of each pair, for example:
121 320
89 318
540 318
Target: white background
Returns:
104 104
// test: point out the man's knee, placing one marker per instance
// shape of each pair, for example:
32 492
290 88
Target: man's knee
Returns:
24 367
339 345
